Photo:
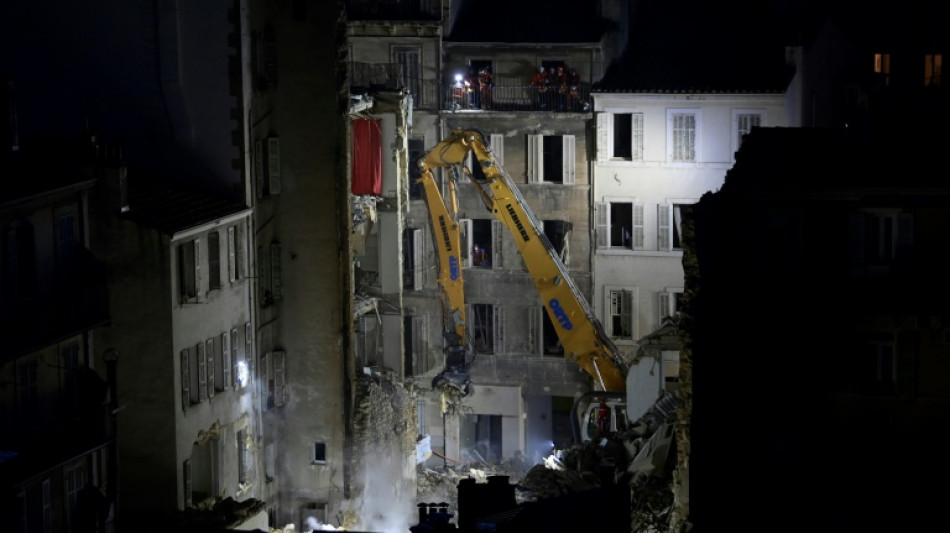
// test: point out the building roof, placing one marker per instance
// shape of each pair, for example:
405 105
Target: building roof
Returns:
171 206
527 21
699 50
37 172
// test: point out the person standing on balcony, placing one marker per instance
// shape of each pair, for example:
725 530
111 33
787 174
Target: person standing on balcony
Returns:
484 87
539 85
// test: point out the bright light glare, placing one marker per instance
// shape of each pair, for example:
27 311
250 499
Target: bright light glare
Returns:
242 373
458 77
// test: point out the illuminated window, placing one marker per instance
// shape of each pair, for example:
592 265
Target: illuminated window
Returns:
933 64
621 303
682 135
619 225
882 67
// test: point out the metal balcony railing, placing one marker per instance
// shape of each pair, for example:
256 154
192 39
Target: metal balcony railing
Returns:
375 77
518 97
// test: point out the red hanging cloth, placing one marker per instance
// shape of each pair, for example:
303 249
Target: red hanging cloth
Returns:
367 157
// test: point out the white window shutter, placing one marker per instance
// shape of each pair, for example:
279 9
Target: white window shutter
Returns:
637 136
465 226
276 285
662 307
638 227
498 329
225 361
535 170
417 252
279 382
273 165
234 358
604 125
602 224
185 380
535 339
202 372
497 237
211 366
664 240
232 256
497 141
569 158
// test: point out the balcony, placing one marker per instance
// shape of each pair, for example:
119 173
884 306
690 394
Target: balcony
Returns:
518 96
393 10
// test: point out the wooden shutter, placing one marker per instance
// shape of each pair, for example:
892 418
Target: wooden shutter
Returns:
535 331
662 307
418 244
638 227
273 165
212 366
604 123
185 380
535 167
232 256
497 143
259 167
568 158
498 330
465 227
664 239
602 224
276 285
225 361
279 380
497 249
186 481
235 358
202 372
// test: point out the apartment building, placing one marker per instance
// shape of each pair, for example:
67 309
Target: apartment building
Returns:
58 448
666 134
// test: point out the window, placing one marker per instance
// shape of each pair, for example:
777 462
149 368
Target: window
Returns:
242 444
682 135
621 135
882 240
551 159
200 379
274 370
668 302
276 275
267 166
482 243
238 366
486 326
619 224
214 260
879 368
236 253
189 270
408 58
416 346
743 121
27 385
669 227
621 304
416 150
212 352
186 380
19 261
933 68
69 365
412 263
319 453
74 481
557 233
882 67
66 241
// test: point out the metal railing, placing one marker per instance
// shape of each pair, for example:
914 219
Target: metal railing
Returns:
518 97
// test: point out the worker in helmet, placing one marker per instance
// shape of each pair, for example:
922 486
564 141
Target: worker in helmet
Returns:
539 88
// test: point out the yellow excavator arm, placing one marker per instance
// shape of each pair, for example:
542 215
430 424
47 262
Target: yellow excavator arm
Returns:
579 331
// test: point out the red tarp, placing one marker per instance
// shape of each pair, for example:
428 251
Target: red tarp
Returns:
367 157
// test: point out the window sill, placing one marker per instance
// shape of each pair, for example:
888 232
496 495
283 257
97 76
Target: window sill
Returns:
639 253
